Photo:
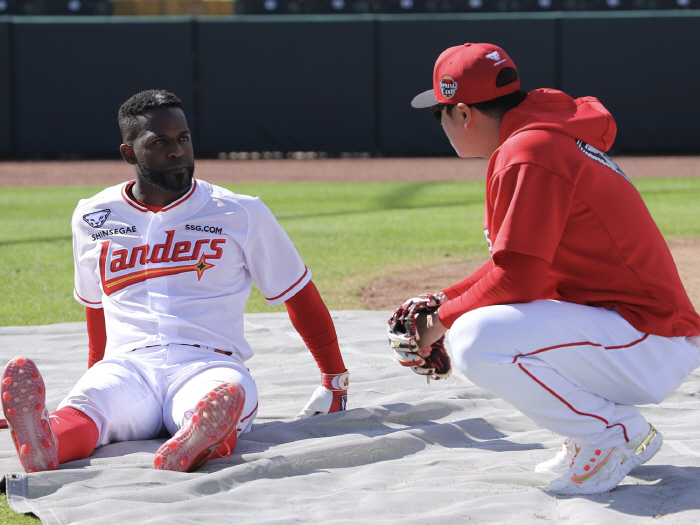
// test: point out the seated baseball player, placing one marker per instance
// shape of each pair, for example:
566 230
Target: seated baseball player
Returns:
164 265
580 314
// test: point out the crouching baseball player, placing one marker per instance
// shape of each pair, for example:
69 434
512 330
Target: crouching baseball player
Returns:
580 314
164 266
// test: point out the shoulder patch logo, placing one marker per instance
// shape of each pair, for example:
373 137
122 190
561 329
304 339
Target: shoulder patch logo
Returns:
597 155
97 218
448 86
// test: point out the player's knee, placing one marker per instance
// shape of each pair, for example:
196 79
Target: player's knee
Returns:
478 340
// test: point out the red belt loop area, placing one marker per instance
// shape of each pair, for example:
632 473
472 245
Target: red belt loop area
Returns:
215 349
185 344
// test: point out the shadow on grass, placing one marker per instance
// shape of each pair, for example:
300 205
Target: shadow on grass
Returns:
37 240
392 206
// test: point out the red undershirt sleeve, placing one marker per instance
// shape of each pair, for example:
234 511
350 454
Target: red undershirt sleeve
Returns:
312 320
513 278
461 287
97 334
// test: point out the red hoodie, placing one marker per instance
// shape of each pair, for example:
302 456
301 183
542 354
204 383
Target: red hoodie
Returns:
553 195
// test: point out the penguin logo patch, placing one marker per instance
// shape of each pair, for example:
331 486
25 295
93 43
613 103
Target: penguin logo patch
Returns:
97 218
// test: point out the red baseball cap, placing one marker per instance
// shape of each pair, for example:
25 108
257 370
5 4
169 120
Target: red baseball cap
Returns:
467 74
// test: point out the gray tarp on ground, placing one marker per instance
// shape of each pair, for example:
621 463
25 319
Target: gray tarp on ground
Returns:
403 452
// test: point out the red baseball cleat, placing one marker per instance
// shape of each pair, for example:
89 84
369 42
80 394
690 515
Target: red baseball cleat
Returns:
214 421
23 397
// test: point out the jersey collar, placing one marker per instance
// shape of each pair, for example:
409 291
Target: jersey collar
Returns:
126 195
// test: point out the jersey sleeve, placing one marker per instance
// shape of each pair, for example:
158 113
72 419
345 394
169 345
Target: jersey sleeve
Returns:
87 289
272 259
529 208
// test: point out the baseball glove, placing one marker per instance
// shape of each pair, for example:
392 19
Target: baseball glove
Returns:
402 337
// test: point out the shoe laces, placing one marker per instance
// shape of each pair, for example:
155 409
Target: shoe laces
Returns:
570 447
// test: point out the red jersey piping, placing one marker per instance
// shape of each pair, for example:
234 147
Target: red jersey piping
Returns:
142 208
183 198
548 389
251 413
306 270
583 343
132 202
85 300
607 423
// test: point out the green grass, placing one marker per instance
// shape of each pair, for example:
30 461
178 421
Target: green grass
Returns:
9 516
347 233
674 204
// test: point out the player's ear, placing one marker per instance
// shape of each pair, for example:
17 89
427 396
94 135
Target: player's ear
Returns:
463 114
128 153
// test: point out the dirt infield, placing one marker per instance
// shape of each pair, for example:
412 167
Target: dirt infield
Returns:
388 292
80 173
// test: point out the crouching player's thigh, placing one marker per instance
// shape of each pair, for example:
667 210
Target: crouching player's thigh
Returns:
591 347
488 337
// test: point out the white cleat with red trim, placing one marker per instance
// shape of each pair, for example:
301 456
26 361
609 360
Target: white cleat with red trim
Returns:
594 471
23 397
215 418
562 461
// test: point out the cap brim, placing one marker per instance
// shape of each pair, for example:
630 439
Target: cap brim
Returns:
425 100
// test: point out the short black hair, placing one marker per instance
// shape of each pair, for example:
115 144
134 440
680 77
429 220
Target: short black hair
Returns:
139 104
497 107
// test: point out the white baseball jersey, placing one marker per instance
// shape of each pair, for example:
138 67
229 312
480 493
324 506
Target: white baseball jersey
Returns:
182 275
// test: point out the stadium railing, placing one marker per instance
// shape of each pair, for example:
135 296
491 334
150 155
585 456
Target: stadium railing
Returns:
295 7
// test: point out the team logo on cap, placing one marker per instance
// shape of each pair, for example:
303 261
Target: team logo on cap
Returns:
96 218
496 57
448 86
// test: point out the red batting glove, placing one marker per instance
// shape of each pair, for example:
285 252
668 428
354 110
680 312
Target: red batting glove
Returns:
330 397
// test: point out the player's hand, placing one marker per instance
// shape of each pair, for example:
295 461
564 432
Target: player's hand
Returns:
417 336
330 397
428 330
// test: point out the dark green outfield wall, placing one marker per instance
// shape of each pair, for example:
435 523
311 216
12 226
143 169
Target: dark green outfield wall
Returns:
290 84
645 69
332 83
70 78
5 93
408 47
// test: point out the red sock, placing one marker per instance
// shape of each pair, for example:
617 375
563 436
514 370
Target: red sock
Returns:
226 448
77 434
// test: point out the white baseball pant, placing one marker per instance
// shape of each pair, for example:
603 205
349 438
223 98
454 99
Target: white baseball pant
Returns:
576 370
132 396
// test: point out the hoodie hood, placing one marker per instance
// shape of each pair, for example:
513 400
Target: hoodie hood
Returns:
548 109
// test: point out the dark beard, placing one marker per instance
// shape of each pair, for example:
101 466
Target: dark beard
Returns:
167 183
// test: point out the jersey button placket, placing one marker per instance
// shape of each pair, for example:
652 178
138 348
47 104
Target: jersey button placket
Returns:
156 287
